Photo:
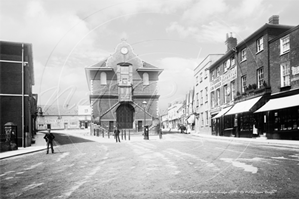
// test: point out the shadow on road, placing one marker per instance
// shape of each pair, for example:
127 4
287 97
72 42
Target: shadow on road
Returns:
64 139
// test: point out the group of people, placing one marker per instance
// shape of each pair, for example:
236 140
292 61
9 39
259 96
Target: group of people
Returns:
49 138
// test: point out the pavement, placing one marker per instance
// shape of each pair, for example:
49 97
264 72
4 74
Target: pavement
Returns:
40 143
262 140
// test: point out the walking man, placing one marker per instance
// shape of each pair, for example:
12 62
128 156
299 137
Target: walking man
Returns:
49 137
117 133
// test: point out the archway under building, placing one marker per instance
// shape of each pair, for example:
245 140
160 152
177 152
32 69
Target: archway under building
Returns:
125 114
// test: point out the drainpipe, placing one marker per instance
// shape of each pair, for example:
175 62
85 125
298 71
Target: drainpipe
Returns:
23 133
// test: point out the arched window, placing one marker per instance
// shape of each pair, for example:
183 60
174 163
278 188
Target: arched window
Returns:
103 80
145 79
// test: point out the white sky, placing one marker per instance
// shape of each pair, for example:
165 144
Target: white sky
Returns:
68 35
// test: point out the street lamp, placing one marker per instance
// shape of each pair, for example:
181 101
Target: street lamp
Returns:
145 132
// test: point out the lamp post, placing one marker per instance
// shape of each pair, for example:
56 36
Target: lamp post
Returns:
144 105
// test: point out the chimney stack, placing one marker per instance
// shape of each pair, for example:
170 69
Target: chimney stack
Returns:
274 19
231 41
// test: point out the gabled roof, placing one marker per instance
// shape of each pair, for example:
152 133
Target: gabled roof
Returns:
102 63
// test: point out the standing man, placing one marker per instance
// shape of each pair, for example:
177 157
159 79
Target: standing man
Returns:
117 133
49 137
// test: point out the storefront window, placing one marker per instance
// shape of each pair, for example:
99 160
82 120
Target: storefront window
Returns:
229 121
285 120
246 122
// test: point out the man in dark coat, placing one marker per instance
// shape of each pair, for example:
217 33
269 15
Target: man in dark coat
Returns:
117 133
49 137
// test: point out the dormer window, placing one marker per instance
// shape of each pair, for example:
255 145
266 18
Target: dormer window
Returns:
145 79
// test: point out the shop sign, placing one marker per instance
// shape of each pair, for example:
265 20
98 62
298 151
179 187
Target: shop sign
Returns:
216 83
229 76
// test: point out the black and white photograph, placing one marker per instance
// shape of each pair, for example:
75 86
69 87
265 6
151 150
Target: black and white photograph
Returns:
149 99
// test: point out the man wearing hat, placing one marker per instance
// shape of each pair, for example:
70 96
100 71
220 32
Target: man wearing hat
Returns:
49 137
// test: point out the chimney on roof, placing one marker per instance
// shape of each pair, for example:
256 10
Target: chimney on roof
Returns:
231 41
274 19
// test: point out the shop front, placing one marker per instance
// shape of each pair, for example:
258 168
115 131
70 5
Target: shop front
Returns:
240 120
282 117
220 122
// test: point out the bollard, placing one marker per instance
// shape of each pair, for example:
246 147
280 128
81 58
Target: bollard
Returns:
125 134
160 133
108 134
122 134
128 134
102 133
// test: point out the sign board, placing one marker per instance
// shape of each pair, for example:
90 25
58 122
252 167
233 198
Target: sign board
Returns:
229 76
216 83
224 79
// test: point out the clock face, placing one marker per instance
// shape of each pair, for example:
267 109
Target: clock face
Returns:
124 50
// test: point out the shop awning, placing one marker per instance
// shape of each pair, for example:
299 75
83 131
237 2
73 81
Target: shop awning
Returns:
280 103
244 106
191 119
222 112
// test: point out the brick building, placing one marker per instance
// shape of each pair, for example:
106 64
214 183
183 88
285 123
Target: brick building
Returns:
281 112
223 74
253 80
17 103
123 90
244 84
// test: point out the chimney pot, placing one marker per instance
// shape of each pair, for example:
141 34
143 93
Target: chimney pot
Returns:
274 19
230 42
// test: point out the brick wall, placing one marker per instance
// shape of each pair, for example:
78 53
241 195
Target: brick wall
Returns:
11 111
276 59
11 83
256 60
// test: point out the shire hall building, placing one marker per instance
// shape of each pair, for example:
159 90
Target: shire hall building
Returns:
123 91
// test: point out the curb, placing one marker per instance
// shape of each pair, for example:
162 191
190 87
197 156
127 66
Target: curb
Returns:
22 153
285 143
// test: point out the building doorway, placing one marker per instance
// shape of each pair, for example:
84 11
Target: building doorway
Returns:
111 126
125 116
140 126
